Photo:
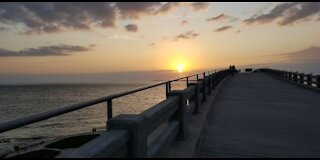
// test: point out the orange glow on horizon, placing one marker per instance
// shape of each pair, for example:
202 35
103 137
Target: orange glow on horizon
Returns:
181 56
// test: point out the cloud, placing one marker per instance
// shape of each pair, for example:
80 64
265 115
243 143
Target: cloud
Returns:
304 55
198 6
307 59
184 22
134 10
287 13
171 6
168 7
54 17
2 29
116 36
131 28
222 16
51 17
186 35
221 29
57 50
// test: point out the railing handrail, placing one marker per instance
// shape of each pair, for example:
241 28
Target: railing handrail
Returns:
29 119
311 80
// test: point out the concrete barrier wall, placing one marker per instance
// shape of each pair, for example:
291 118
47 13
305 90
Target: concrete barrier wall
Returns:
127 135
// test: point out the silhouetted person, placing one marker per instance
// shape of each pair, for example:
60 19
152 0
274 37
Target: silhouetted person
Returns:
233 69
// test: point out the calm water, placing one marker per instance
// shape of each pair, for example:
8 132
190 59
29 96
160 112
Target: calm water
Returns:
21 100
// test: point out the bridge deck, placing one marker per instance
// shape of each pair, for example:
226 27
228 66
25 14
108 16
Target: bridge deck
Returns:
258 116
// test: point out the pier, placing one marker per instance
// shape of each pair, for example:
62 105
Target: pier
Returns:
266 113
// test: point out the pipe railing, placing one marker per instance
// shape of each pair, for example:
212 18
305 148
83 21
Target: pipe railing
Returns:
146 140
19 122
299 78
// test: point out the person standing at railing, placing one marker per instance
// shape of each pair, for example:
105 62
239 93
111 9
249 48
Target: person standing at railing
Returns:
232 69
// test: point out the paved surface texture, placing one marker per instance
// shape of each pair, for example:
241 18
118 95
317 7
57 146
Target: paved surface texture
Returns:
256 115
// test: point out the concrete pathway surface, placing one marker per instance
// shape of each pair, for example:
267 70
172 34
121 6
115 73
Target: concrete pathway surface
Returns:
256 115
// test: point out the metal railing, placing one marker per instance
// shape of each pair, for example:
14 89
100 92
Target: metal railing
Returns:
303 79
152 132
16 123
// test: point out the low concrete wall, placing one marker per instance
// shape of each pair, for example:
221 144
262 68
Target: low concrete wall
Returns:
190 146
184 126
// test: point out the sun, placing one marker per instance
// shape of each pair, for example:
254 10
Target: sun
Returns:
180 68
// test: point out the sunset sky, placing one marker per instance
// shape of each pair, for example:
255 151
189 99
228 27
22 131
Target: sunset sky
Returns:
77 38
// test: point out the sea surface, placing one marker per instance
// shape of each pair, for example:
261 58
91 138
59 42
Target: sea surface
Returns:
22 100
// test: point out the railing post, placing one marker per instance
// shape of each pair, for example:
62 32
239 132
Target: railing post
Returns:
301 78
290 75
109 108
136 126
195 97
309 79
210 84
318 81
187 81
204 88
213 80
181 114
295 77
218 77
168 88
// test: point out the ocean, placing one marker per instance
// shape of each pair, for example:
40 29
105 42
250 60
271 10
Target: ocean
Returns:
22 100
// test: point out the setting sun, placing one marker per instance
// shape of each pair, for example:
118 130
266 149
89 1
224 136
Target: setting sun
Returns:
180 68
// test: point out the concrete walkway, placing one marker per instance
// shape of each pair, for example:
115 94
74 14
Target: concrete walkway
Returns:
256 115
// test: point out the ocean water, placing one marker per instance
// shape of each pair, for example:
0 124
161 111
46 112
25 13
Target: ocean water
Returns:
21 100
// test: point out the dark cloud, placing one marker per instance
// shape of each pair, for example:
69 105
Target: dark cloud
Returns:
184 22
171 6
198 6
186 35
133 10
131 28
222 16
287 13
221 29
58 50
51 17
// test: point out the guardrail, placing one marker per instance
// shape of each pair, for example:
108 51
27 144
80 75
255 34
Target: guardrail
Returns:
127 134
164 122
299 78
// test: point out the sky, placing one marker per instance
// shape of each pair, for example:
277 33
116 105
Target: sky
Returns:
59 38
